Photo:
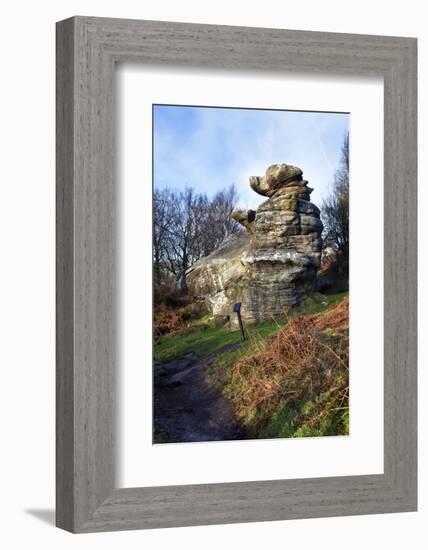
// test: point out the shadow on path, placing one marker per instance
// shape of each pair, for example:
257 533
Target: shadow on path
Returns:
187 407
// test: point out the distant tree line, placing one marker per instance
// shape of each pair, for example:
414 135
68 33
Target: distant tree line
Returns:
335 211
186 227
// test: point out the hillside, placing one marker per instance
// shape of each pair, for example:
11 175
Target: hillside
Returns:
288 379
295 383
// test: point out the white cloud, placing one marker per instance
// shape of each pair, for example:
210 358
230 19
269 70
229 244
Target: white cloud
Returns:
228 146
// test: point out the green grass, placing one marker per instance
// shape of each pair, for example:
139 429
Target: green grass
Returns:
305 418
206 339
282 423
258 333
200 341
318 303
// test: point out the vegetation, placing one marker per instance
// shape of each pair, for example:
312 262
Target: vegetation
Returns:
177 320
296 384
289 378
335 213
202 336
200 340
188 226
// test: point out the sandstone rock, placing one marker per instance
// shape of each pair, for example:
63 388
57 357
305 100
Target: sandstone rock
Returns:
221 320
245 218
217 277
272 265
276 176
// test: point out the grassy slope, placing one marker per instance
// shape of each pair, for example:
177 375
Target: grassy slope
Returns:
207 339
296 384
281 420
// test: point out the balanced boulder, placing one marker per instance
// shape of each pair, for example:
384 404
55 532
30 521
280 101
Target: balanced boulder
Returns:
272 264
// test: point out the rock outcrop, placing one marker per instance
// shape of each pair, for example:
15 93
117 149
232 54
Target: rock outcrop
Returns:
272 265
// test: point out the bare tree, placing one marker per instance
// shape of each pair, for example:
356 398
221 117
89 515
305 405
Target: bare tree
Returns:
335 210
217 223
187 226
162 219
183 248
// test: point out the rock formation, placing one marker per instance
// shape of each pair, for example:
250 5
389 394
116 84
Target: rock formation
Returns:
271 265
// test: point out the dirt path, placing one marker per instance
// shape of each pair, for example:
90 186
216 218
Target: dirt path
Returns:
187 407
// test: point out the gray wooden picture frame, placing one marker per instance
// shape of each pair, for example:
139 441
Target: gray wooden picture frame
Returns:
87 50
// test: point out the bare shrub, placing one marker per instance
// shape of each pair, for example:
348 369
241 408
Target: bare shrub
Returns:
170 319
303 368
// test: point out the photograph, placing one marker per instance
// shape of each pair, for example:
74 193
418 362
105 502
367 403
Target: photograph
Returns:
210 275
250 273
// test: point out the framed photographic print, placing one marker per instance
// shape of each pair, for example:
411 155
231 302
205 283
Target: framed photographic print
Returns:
236 274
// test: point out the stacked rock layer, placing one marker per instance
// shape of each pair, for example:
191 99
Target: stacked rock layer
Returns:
272 265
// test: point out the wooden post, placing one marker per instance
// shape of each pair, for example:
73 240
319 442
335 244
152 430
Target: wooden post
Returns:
237 310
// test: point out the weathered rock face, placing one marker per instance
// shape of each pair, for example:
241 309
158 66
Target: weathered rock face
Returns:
272 264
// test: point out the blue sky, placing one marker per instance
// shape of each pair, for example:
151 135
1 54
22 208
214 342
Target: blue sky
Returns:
211 148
